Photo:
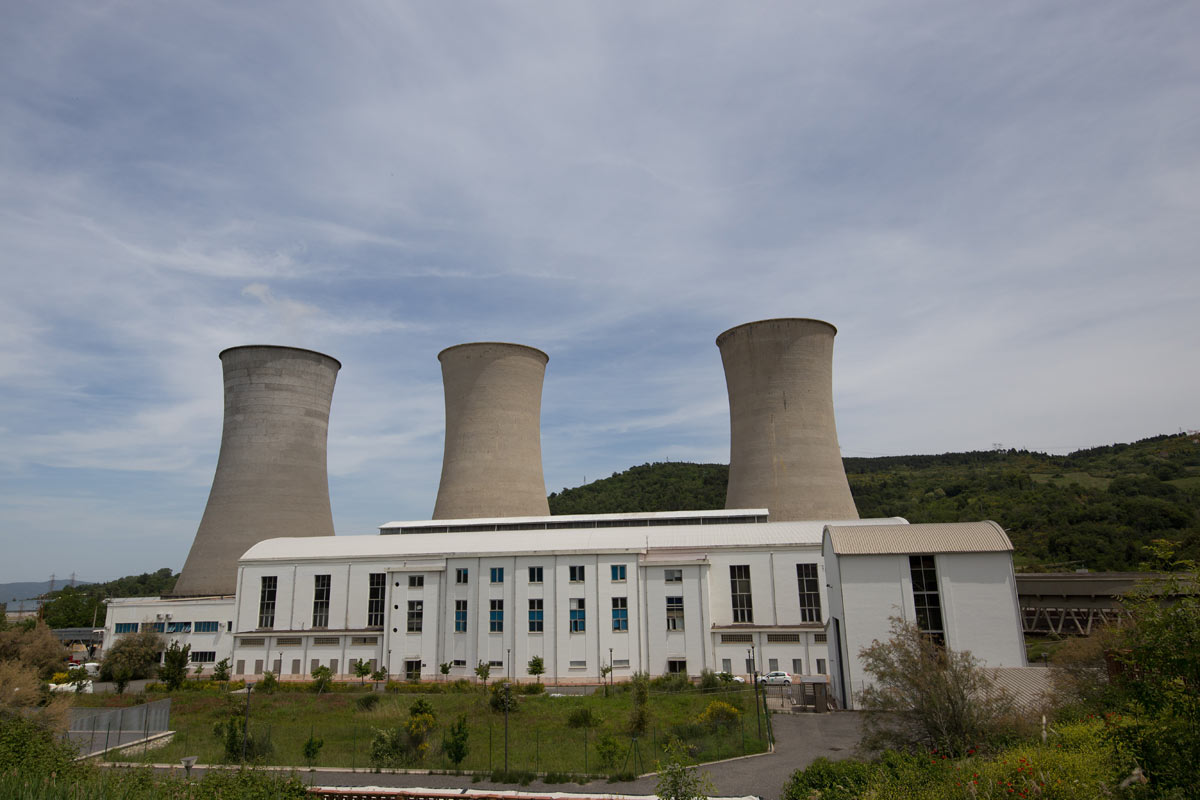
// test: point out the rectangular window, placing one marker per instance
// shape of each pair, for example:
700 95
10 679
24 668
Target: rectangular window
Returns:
376 597
179 627
321 585
266 601
203 656
778 638
576 574
125 627
535 615
737 638
288 641
535 574
674 613
677 666
810 594
820 638
727 666
620 614
797 666
926 600
580 664
618 572
772 664
620 663
673 575
459 662
821 666
254 641
416 581
496 662
460 616
460 575
578 615
496 617
364 640
739 587
207 626
416 613
326 641
497 574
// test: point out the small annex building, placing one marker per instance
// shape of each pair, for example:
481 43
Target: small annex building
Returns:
955 581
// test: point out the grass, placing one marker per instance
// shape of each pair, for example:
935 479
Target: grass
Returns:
539 739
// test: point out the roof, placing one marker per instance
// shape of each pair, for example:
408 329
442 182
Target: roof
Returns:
937 537
544 542
567 520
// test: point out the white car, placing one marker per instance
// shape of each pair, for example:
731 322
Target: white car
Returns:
775 678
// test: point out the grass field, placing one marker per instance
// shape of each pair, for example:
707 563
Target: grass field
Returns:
539 738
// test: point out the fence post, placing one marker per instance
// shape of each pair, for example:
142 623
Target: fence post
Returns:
585 759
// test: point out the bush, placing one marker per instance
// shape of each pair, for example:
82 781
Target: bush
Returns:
709 680
136 654
583 717
367 702
533 688
267 684
322 679
833 780
454 742
677 682
608 750
719 714
174 668
503 698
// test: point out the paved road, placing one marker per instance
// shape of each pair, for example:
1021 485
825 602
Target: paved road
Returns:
800 739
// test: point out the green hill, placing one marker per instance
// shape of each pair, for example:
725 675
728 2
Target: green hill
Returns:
1093 508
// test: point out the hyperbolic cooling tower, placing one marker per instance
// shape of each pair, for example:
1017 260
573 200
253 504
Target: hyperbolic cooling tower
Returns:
783 451
271 478
492 466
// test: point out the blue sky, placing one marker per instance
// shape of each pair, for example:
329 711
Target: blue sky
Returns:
997 205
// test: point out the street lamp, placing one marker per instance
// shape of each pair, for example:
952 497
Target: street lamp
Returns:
610 668
509 656
246 721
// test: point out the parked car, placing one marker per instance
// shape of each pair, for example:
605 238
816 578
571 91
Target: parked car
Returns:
728 678
775 678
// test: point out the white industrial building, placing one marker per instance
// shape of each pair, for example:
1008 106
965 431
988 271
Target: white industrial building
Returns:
955 581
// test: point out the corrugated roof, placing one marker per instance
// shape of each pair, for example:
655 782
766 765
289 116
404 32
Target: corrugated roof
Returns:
938 537
485 543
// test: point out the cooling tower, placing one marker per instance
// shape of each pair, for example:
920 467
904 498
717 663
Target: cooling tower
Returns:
492 466
783 445
271 479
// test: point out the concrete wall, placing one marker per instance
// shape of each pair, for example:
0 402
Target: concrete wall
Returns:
783 452
492 465
271 476
153 610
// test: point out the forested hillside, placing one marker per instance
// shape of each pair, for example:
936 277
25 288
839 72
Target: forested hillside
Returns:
1093 508
78 606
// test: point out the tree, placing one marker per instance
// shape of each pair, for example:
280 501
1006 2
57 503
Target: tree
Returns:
536 667
482 670
34 645
174 669
312 749
135 654
79 678
221 670
928 696
362 669
605 671
380 674
677 782
322 679
454 742
639 717
444 668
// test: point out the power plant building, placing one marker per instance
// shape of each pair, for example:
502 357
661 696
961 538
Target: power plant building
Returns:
494 578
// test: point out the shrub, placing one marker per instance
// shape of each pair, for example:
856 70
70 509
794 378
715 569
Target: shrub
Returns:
709 680
454 743
608 750
312 749
267 684
221 670
322 679
421 706
676 682
502 698
533 688
367 702
639 717
174 666
719 714
829 780
583 717
135 653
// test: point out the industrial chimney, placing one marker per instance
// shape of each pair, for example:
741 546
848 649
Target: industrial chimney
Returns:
783 446
492 466
271 479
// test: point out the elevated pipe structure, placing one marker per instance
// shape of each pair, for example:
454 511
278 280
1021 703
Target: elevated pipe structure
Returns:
271 478
783 446
492 465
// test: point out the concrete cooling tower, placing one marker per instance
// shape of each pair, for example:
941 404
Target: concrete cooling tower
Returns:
783 452
271 478
492 466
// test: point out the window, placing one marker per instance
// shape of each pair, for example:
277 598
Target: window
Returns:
581 664
620 614
727 666
674 613
203 656
254 641
673 575
926 600
460 616
618 572
578 615
364 640
125 627
810 594
179 627
535 615
497 574
496 662
820 638
376 588
821 666
459 662
576 574
266 602
496 617
739 581
327 641
208 626
620 663
772 664
288 641
798 666
778 638
535 574
416 612
321 601
460 575
737 638
416 581
677 666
